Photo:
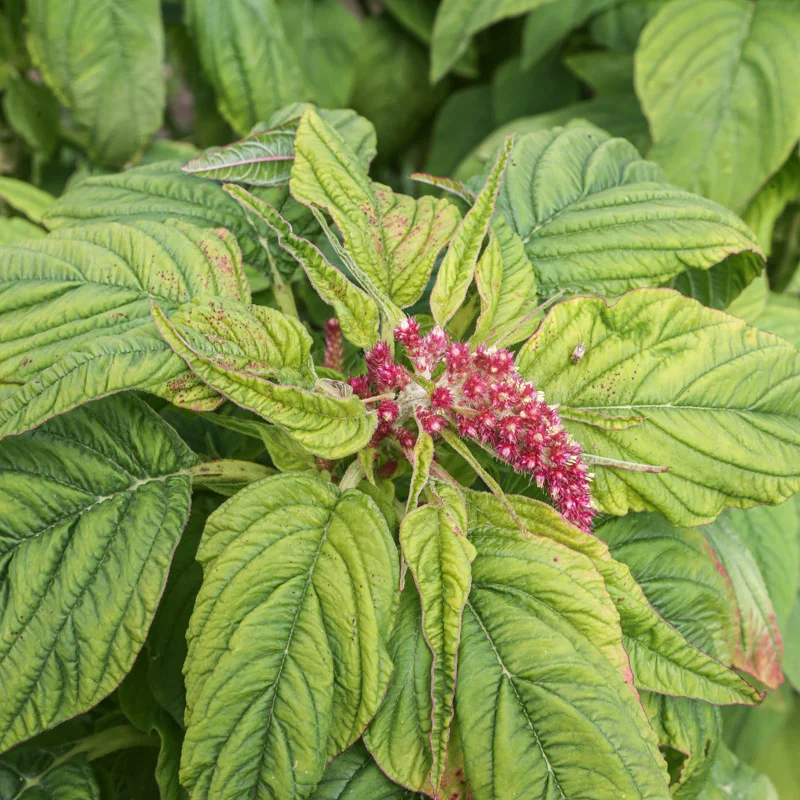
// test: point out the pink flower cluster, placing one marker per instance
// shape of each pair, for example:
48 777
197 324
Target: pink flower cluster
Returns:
481 393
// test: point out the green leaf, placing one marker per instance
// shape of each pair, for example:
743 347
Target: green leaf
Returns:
354 775
457 21
392 239
732 779
160 192
34 773
250 339
781 316
265 158
105 62
399 737
458 266
439 555
328 426
661 658
24 197
689 733
720 285
76 316
541 652
690 372
247 57
391 85
93 505
140 707
357 313
764 209
596 218
325 37
16 229
32 111
548 24
681 576
506 283
771 536
298 599
718 82
166 643
423 459
604 71
760 647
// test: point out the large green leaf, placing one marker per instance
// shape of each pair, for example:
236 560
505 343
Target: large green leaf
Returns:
329 426
690 733
719 286
732 779
764 209
541 653
36 774
105 61
667 382
595 217
661 657
247 57
287 658
760 650
457 21
17 229
681 576
355 776
93 504
718 81
265 158
159 192
357 313
438 553
458 265
506 283
32 111
392 239
76 314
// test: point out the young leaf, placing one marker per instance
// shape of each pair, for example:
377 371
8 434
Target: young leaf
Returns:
690 373
661 658
357 313
32 202
105 62
392 239
691 731
761 648
718 82
76 318
439 555
223 34
265 158
541 652
93 505
160 192
353 775
298 599
331 427
31 773
399 737
506 283
254 340
596 218
423 459
458 266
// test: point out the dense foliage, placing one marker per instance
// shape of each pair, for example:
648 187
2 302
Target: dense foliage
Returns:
399 399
